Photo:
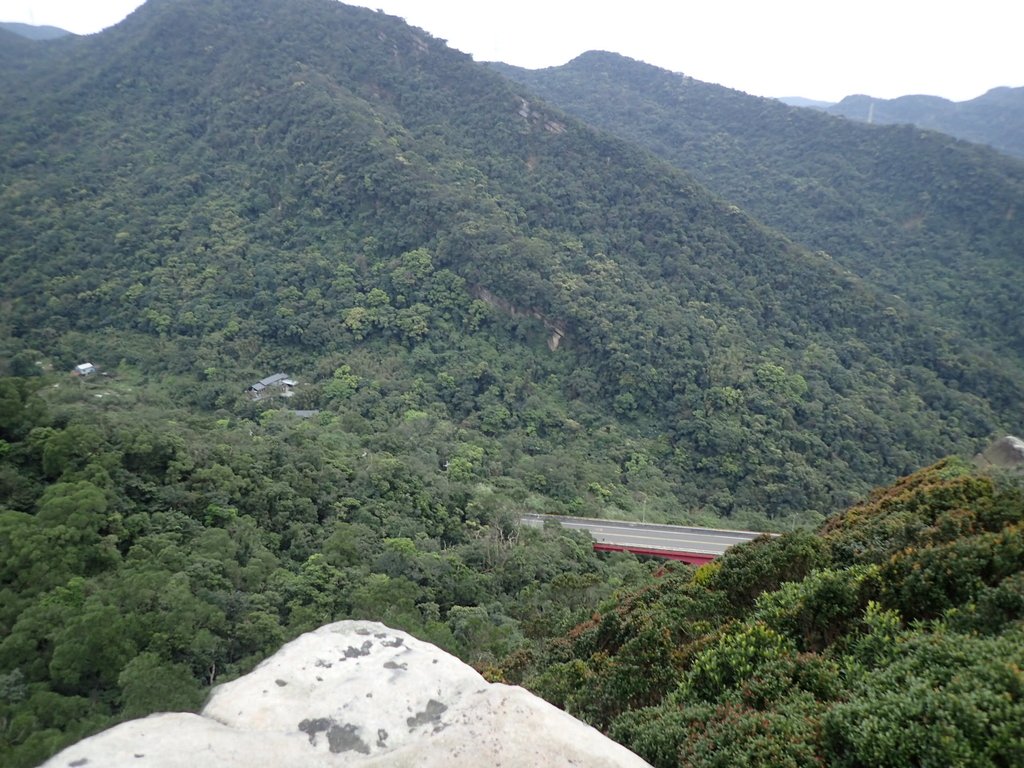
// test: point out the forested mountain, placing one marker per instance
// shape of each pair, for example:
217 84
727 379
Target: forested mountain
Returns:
995 118
487 307
931 219
223 192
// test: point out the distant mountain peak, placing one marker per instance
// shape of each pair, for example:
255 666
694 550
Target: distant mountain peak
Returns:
33 32
995 118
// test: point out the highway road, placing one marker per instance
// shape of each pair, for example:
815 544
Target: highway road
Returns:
651 536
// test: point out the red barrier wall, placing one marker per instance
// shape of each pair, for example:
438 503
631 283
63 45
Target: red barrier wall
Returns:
693 558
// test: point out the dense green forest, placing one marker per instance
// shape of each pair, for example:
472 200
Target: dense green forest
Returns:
924 216
488 307
213 194
892 637
147 553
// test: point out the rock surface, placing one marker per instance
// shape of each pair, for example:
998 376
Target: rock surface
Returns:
355 694
1005 453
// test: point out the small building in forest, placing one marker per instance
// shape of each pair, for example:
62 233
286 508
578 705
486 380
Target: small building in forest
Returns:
84 369
279 383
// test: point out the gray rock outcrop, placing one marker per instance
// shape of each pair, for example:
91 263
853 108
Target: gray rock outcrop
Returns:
355 694
1005 453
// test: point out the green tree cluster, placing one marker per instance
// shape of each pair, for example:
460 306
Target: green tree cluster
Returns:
148 553
892 637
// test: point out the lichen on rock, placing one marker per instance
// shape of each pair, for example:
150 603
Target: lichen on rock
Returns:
394 701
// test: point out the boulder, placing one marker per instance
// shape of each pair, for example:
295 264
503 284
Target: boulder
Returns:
1005 453
355 694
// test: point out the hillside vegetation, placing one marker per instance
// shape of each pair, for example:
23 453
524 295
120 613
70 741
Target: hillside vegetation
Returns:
213 191
891 637
147 554
931 219
487 307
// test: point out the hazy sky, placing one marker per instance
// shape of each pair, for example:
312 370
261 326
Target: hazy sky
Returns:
823 49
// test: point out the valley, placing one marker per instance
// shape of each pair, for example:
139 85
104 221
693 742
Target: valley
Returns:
491 294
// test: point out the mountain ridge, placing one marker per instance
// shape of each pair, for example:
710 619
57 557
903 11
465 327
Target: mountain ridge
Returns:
34 31
994 118
349 157
913 212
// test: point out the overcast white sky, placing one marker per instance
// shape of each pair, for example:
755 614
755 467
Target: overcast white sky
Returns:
823 49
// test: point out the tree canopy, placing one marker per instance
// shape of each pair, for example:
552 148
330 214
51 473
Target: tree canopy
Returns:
485 307
213 191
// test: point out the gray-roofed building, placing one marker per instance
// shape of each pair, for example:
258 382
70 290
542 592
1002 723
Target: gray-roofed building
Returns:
277 381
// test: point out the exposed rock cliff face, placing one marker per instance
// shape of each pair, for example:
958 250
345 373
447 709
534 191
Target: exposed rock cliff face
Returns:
1005 453
557 328
355 693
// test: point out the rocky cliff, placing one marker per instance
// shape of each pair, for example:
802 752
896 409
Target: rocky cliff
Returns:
1005 453
355 693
